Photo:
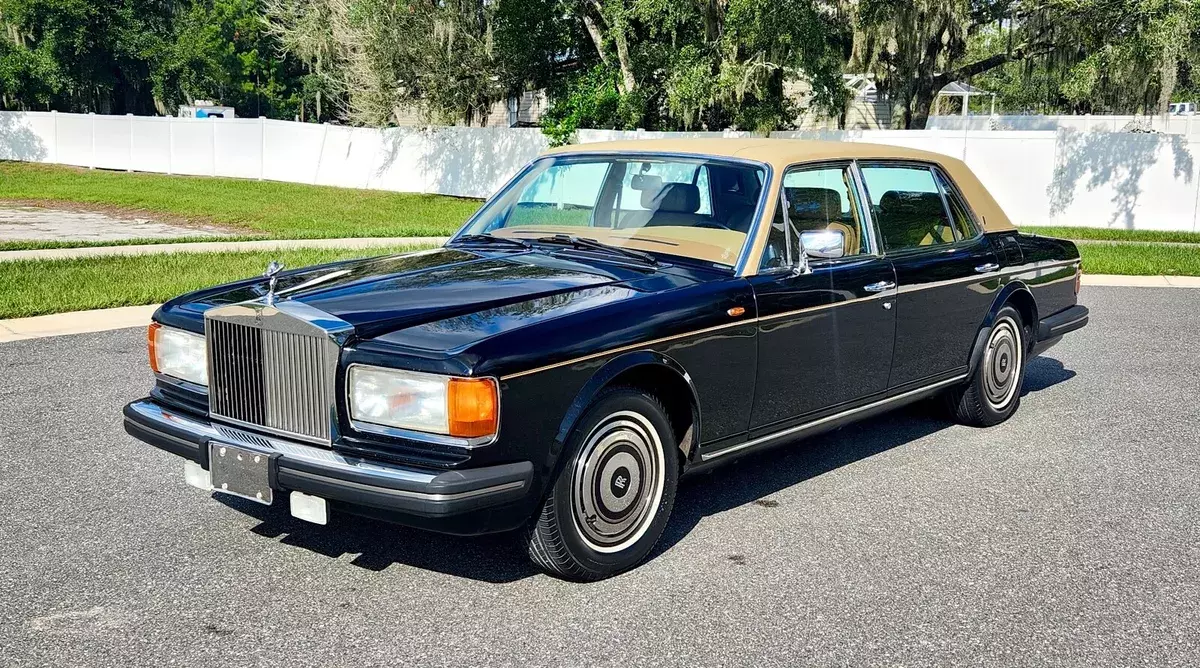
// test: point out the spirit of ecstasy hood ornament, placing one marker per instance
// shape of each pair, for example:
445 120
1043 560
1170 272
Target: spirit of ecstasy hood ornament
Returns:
272 272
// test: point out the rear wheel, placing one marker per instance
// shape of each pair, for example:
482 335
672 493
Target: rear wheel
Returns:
609 505
993 393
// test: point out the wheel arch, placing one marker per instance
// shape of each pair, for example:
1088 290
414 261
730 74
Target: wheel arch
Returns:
655 373
1018 295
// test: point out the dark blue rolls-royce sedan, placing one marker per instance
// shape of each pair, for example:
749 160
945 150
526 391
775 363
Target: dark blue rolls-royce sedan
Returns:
617 316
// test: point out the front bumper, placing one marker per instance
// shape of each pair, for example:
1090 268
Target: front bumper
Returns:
465 502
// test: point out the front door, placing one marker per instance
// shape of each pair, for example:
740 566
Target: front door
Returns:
945 268
825 337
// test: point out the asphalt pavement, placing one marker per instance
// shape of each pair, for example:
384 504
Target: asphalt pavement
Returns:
1070 535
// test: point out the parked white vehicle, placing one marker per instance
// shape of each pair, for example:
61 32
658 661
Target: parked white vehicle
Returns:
1181 108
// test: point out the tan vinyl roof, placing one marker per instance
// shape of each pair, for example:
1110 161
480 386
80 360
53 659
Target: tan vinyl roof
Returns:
782 153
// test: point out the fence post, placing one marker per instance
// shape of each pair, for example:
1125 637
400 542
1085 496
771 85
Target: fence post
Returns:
92 114
1195 184
262 151
170 144
54 115
320 154
214 146
129 167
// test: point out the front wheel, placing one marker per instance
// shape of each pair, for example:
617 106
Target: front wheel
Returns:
609 505
992 394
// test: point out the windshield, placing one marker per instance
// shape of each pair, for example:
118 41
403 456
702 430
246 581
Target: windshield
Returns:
695 208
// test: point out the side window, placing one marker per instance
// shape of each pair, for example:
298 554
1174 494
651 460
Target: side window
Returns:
908 207
817 199
562 195
964 222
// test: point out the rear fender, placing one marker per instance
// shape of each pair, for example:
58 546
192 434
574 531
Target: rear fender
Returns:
985 330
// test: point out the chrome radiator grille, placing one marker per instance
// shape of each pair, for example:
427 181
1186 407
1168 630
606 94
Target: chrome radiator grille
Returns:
272 379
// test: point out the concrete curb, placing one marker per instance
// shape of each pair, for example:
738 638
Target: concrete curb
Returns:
1114 281
82 322
77 322
218 247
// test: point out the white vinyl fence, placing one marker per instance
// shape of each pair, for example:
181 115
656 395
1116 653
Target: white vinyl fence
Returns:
1066 176
1174 124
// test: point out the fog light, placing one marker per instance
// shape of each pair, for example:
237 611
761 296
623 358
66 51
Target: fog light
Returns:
309 508
196 476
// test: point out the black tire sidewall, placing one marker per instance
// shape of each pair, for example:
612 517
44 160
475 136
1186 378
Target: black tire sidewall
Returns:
610 563
991 415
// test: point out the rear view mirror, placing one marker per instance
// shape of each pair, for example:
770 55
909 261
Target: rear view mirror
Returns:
826 244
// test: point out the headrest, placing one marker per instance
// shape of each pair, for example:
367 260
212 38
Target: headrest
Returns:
651 186
677 198
819 204
912 202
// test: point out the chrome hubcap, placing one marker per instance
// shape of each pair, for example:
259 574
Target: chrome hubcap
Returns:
618 482
1002 364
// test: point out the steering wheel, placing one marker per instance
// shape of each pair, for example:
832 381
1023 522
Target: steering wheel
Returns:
713 225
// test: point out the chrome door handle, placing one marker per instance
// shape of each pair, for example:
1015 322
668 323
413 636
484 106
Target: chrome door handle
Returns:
881 286
986 268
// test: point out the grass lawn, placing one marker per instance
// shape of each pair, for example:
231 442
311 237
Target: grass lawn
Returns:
38 287
252 208
1140 260
1105 234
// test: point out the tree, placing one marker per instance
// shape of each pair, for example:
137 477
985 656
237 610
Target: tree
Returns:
1089 56
221 50
702 63
449 59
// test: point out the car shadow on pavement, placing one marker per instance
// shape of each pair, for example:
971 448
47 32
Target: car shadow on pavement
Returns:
501 558
755 477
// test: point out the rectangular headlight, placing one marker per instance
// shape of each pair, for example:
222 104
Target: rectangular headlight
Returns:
463 407
179 354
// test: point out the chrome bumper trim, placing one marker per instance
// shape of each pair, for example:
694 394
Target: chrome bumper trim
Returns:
292 451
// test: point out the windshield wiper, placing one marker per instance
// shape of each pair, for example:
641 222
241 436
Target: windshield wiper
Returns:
489 239
586 243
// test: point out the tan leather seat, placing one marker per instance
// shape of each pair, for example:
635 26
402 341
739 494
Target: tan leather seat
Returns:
852 242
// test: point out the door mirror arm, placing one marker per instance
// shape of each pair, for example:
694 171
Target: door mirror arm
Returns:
801 266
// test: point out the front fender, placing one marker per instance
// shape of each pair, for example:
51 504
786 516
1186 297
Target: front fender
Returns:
615 367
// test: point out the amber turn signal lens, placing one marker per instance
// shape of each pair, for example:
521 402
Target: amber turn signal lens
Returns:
152 343
1078 280
473 407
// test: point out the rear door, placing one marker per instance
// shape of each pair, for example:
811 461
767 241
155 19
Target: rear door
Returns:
945 268
825 337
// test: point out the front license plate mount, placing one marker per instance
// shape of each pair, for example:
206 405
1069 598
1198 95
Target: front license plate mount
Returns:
241 471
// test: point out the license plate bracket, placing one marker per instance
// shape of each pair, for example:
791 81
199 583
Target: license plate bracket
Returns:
242 472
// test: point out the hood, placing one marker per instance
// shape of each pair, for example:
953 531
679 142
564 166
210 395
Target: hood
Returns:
381 295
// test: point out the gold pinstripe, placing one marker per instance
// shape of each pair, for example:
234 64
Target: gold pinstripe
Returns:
821 307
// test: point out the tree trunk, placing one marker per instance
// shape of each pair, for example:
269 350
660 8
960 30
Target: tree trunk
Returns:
627 78
593 31
1167 75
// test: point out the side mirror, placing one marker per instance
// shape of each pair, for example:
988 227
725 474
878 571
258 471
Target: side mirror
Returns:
826 244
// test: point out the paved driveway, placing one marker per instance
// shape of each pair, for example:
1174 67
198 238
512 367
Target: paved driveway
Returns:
1070 535
32 223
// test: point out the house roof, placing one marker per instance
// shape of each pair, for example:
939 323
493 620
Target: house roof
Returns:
960 88
783 153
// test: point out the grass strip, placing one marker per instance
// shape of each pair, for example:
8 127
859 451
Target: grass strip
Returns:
252 208
1140 260
1106 234
39 287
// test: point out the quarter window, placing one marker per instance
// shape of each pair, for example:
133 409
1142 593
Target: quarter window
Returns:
908 207
964 223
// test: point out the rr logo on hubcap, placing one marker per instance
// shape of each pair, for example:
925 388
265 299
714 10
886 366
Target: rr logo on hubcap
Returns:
619 486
